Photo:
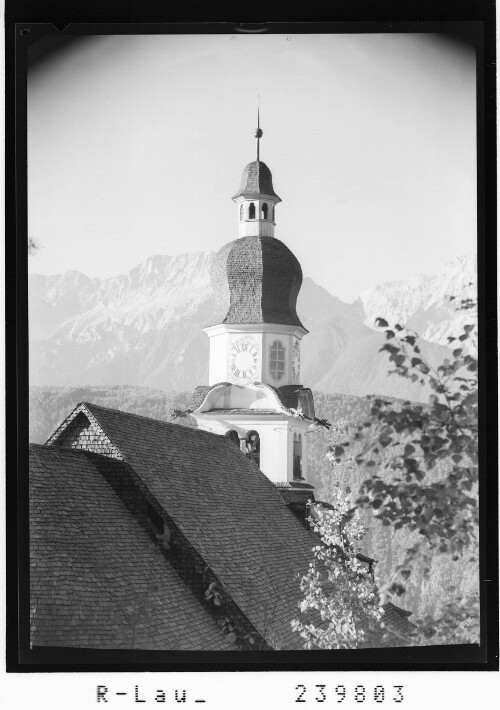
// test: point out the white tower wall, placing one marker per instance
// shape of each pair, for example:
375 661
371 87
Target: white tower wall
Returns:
223 339
276 434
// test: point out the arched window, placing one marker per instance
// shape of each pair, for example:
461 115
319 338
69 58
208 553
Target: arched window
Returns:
272 212
251 211
297 457
252 447
277 360
264 210
233 436
241 213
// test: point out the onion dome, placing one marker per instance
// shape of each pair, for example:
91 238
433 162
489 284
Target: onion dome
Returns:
256 180
256 280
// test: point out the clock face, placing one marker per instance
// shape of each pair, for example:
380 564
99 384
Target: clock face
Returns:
243 359
296 363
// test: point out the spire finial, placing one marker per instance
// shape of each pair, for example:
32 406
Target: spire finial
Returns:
258 133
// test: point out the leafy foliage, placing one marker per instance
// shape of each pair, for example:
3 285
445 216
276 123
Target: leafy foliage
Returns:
387 546
402 444
336 588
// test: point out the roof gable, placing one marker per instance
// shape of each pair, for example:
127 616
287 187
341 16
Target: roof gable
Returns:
81 430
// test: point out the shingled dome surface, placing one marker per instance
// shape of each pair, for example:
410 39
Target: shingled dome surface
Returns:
256 180
256 280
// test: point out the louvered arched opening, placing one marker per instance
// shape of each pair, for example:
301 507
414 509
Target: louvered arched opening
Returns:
252 447
233 437
297 457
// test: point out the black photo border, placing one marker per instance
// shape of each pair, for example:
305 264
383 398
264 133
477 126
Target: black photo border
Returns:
26 21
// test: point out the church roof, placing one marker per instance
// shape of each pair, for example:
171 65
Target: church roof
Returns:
256 181
227 509
93 566
256 280
90 555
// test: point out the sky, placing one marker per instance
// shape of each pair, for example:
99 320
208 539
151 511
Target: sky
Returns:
137 143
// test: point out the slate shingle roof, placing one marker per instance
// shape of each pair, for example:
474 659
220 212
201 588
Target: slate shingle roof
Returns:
92 564
395 624
256 180
256 280
90 557
228 510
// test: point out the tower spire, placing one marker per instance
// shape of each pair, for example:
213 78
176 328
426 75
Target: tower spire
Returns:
258 133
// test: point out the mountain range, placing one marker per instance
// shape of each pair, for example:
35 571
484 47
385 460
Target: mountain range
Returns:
144 328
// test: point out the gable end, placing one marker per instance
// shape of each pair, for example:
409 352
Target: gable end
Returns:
82 431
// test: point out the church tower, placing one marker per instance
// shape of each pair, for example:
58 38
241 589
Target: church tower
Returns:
254 395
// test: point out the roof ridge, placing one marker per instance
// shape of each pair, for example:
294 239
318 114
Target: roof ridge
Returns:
112 409
149 419
132 414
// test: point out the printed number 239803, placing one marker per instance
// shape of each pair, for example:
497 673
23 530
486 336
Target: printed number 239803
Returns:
360 694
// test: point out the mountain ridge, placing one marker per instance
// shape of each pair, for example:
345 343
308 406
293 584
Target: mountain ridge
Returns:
144 328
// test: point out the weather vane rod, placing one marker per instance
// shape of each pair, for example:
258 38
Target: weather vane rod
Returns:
258 132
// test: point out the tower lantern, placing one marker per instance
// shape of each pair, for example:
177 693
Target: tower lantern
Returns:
256 199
